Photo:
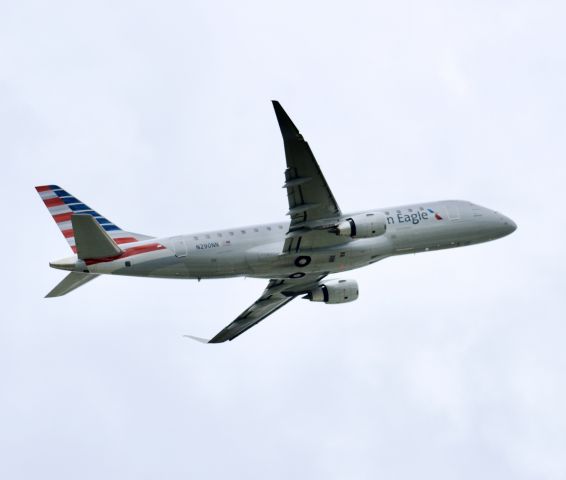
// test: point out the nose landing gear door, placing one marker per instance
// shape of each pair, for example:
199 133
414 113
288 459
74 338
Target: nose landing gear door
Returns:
179 247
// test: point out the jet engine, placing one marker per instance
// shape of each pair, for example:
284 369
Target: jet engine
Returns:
365 225
334 291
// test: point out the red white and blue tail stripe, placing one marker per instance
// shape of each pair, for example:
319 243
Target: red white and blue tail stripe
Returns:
62 205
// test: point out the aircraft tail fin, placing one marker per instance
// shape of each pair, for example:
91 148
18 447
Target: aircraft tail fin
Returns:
62 206
70 282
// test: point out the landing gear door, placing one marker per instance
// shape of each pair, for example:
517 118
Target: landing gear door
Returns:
179 247
453 212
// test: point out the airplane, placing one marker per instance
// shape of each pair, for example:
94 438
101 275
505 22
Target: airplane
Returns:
295 255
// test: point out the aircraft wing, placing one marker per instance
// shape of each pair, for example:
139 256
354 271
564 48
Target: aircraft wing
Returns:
313 211
277 294
312 206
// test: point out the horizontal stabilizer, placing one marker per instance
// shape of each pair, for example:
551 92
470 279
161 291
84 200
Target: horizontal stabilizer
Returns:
92 240
71 282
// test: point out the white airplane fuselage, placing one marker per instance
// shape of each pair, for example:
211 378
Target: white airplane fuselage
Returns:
256 251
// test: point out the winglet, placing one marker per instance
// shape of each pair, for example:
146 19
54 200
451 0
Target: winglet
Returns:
198 339
288 128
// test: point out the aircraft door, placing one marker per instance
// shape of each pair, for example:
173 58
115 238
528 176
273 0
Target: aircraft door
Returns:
453 212
179 247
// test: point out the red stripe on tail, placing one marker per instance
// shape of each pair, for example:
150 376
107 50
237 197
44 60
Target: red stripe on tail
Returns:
53 202
125 240
152 247
62 217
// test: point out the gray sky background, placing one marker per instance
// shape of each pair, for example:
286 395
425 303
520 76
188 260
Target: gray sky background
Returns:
450 365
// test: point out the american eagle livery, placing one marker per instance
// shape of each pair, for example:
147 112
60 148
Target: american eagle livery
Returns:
295 255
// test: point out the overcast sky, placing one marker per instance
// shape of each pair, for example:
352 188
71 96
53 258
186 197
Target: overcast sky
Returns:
450 365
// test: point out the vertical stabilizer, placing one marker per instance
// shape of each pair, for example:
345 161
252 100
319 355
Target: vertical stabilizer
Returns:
62 205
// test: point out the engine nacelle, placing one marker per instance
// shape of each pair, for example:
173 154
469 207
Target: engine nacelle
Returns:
334 291
365 225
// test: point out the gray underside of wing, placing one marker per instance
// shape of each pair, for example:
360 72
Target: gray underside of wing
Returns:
312 206
277 294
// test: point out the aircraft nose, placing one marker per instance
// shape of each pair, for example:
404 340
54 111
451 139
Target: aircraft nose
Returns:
509 226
